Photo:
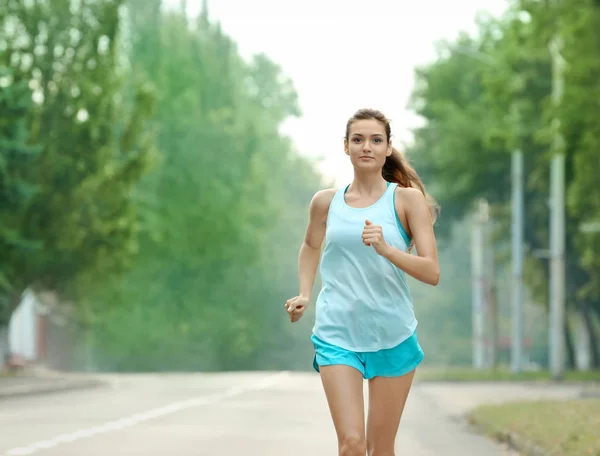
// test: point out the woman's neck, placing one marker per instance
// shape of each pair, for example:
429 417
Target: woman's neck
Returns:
368 184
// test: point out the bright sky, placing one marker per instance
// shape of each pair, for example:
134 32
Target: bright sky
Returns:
344 55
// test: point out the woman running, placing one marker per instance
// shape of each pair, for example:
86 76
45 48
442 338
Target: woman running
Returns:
365 326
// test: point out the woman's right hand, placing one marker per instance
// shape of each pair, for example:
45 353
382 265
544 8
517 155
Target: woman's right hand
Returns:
296 307
310 252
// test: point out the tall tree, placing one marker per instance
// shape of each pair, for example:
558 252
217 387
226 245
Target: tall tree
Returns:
485 97
224 204
92 140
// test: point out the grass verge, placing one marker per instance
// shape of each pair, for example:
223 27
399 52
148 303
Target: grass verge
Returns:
565 428
466 374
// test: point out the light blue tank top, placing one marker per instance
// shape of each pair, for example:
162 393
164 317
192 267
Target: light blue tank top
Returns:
364 303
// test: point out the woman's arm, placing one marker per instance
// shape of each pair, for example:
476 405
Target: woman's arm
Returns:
424 267
310 251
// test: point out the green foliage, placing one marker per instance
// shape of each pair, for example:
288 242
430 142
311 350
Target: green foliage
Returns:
487 95
16 191
225 210
72 201
580 27
143 177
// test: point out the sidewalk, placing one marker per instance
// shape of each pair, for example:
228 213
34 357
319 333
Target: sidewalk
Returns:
26 384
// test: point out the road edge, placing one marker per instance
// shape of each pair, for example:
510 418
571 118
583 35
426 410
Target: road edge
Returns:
54 386
505 436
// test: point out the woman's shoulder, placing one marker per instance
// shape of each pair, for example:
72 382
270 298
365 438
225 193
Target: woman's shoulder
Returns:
414 203
409 192
324 197
321 200
409 196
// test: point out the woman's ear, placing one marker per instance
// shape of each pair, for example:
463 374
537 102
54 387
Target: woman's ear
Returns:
346 150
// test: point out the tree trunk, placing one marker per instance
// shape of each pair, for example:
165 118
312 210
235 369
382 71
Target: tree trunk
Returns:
570 361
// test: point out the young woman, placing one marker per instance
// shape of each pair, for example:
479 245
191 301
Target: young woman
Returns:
365 327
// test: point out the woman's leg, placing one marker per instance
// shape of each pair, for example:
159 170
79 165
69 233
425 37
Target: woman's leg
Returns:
343 387
387 397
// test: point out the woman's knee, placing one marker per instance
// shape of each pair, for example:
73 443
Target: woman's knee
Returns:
377 451
377 447
353 445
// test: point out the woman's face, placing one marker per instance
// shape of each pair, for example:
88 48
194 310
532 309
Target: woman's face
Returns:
367 144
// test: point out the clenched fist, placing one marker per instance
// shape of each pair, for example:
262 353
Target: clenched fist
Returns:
296 307
372 235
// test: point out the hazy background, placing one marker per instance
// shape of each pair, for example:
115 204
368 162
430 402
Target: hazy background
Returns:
342 55
157 162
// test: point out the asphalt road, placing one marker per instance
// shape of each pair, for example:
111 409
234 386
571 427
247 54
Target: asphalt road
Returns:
262 414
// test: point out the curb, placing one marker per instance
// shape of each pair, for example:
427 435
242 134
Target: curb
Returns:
513 440
55 386
590 393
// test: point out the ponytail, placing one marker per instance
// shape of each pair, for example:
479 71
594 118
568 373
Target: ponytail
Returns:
397 169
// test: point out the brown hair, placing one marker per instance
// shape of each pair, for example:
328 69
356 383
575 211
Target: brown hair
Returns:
396 168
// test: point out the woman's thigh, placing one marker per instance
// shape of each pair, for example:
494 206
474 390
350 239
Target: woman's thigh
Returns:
343 387
387 398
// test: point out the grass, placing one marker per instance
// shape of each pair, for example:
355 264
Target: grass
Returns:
566 428
466 374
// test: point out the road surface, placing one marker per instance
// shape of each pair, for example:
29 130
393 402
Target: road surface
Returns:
227 414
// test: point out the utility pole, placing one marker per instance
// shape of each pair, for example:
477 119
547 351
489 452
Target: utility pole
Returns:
518 208
517 244
557 225
478 286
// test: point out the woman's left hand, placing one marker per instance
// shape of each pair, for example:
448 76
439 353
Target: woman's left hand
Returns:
372 235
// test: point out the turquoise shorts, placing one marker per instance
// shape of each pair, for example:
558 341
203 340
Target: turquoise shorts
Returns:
391 362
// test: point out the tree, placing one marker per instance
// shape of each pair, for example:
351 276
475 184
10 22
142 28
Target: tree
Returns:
16 192
92 140
225 207
484 97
